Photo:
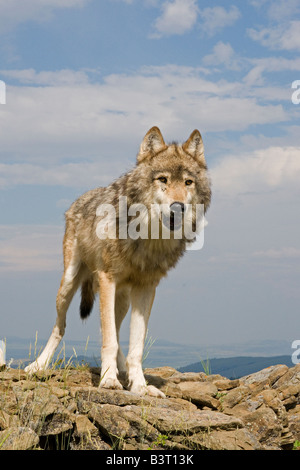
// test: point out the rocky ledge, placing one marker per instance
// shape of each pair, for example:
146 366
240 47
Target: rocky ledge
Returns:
65 409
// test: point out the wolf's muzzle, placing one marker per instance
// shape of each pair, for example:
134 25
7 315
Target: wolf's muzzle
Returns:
174 220
177 208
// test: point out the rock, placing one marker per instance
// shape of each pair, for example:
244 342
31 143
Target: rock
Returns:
188 422
86 436
293 417
235 396
269 376
84 427
43 412
65 409
168 387
264 424
13 375
239 439
58 423
20 438
200 393
177 404
8 399
110 397
291 377
164 372
196 389
188 377
120 424
89 443
110 421
4 420
226 384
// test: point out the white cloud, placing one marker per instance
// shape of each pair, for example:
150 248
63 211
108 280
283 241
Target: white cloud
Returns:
278 10
260 68
30 248
85 119
261 171
283 9
214 19
283 30
14 12
223 54
68 175
283 37
47 78
178 17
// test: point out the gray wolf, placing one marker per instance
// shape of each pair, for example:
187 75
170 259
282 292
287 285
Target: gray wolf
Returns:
126 270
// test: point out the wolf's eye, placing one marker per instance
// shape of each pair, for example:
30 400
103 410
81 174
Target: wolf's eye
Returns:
163 179
188 182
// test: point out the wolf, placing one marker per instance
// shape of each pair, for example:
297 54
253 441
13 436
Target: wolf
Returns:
127 270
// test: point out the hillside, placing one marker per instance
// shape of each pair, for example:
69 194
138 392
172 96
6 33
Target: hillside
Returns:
159 352
229 367
236 367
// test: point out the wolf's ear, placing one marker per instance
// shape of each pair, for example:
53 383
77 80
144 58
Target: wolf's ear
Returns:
153 142
194 146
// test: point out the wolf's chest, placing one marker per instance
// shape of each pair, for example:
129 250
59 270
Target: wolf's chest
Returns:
156 255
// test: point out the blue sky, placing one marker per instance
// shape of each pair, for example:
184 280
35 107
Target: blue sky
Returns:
85 80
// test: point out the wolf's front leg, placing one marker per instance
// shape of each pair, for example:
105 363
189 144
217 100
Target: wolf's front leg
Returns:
109 351
142 300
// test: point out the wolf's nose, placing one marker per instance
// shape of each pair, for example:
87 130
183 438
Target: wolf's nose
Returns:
177 207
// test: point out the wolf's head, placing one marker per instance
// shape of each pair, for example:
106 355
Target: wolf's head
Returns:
172 179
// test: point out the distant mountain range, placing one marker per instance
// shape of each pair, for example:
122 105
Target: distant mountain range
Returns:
236 367
230 367
232 361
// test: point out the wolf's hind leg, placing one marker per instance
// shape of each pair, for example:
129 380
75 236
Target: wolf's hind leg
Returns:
69 284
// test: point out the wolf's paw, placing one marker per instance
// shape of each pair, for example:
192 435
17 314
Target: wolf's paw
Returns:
110 383
149 390
34 367
154 392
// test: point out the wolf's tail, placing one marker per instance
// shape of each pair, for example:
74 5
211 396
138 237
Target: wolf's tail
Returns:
87 298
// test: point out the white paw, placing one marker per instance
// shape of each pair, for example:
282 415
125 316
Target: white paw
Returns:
154 392
35 367
150 390
111 383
